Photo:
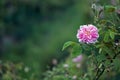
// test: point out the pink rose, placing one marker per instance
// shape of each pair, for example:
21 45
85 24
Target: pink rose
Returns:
78 59
87 34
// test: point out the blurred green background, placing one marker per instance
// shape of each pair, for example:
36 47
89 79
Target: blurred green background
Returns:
33 31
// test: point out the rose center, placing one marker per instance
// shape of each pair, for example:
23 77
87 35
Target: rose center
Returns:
87 33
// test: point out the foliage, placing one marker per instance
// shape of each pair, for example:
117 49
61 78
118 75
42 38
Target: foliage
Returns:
15 71
28 27
100 59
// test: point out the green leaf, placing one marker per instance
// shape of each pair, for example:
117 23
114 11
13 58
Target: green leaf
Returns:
112 34
99 45
107 49
59 77
67 44
106 37
109 8
100 50
100 57
77 50
116 63
103 22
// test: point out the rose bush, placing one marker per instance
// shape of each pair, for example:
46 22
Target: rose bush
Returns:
101 51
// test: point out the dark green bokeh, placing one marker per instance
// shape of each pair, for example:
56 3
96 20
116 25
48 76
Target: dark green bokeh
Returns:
33 31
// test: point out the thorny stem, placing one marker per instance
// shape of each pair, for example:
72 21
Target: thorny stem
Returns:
99 74
102 68
100 71
116 55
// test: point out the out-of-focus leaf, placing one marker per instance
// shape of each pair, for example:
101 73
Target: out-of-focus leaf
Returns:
67 44
59 77
112 34
7 76
77 50
106 37
103 22
100 57
100 50
86 47
108 50
98 45
109 8
116 63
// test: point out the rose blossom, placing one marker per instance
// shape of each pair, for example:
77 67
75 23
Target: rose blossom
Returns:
87 34
78 59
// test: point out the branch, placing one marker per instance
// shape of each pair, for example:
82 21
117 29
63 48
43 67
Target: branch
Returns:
100 71
116 55
102 68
